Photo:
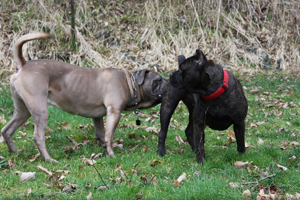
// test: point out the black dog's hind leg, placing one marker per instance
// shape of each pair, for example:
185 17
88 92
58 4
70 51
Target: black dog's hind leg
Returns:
239 131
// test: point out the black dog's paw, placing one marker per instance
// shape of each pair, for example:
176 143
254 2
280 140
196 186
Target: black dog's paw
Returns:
161 151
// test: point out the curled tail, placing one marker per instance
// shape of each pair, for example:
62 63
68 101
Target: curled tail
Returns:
18 56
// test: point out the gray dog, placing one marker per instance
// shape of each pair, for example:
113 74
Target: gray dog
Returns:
87 92
219 100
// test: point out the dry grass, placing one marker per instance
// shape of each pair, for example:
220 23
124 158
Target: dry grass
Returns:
242 35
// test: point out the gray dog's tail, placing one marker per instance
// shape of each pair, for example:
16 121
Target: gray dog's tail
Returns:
18 56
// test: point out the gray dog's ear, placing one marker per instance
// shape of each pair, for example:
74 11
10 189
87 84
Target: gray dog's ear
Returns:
181 58
199 57
140 76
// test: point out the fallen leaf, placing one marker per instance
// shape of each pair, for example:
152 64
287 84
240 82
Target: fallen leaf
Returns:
88 161
293 135
132 135
180 151
89 197
247 194
2 119
42 169
67 189
50 130
252 168
260 141
134 148
27 176
295 144
116 145
61 171
1 138
253 91
144 178
144 137
29 192
64 125
22 133
179 140
116 180
291 158
152 129
154 181
155 162
88 185
263 196
229 141
61 178
240 164
197 172
96 155
102 187
282 167
180 178
230 134
234 185
133 171
71 148
247 145
146 148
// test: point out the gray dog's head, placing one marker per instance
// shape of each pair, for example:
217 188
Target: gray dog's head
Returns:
152 83
190 71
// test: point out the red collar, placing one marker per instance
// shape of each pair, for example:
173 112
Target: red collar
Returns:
221 89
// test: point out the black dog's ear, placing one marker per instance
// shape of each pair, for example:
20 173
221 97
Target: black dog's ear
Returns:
199 57
140 76
181 58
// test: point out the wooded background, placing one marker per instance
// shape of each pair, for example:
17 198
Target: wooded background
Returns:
242 35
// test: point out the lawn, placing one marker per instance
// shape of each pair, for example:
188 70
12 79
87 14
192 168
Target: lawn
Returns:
271 163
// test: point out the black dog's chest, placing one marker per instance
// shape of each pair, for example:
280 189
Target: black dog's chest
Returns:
218 121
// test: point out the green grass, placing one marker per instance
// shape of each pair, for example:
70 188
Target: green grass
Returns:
281 124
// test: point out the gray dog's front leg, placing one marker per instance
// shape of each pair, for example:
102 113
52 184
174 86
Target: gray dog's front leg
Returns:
112 120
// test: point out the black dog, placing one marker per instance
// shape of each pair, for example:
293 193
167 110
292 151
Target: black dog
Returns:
219 101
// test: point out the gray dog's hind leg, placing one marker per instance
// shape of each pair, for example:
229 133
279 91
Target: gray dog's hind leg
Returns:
239 131
21 114
99 130
40 118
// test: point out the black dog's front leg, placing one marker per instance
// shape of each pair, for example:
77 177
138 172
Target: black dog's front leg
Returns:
169 103
239 131
190 103
199 115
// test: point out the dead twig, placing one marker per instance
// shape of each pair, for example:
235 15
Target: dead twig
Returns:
99 174
256 182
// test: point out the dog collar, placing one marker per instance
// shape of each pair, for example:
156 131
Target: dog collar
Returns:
220 90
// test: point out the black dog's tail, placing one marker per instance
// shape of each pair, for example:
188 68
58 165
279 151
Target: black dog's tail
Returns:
18 56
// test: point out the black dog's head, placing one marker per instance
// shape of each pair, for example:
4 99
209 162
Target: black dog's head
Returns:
191 71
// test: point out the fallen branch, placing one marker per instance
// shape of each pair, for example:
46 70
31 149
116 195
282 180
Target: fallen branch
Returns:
253 182
71 140
100 176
